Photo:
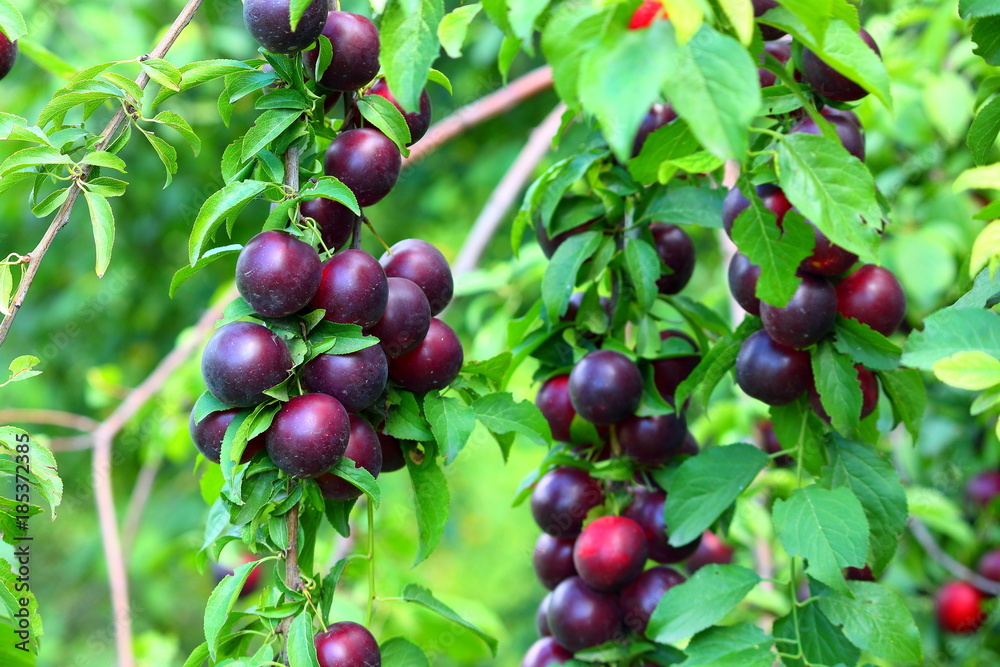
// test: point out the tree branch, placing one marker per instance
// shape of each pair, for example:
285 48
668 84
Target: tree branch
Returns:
959 571
293 578
480 111
107 137
48 418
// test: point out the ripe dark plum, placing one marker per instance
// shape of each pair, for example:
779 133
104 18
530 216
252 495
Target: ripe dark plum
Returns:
581 617
269 22
417 121
364 449
347 644
605 387
357 379
610 552
335 221
958 607
676 251
553 401
309 435
8 55
989 565
393 458
872 295
657 116
827 81
422 263
277 274
406 320
808 316
869 395
366 161
553 560
743 277
652 440
561 499
544 653
690 446
355 43
848 131
209 433
670 372
827 260
433 364
639 598
711 551
353 289
542 617
767 32
770 372
646 509
983 488
242 360
735 203
782 51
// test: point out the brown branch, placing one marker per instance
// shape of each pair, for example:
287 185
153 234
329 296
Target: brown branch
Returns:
959 571
293 577
480 111
507 191
107 137
48 418
137 501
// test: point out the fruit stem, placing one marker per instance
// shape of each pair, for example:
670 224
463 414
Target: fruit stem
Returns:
356 233
371 227
371 564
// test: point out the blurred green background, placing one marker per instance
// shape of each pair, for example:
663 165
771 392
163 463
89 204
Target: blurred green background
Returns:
98 338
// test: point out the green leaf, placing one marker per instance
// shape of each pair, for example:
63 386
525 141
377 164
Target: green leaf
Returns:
181 126
876 484
570 33
430 492
166 153
685 205
740 15
714 88
777 253
826 527
950 331
838 386
162 72
384 115
715 364
328 187
300 647
941 514
267 127
978 8
186 272
500 413
986 35
866 346
876 620
104 159
821 642
620 78
972 370
22 368
224 204
742 645
221 602
351 472
908 394
560 275
643 266
51 202
700 602
404 420
455 26
673 140
833 189
409 46
706 485
102 219
423 597
451 422
522 15
398 652
11 21
296 8
33 157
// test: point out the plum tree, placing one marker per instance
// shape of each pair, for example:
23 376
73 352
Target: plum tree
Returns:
356 379
553 560
605 387
433 364
406 320
561 499
424 265
364 449
771 372
417 121
581 617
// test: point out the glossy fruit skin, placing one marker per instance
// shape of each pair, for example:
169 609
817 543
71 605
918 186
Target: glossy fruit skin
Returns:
605 387
561 499
393 458
553 560
646 509
983 488
827 260
209 433
355 43
347 644
553 401
269 22
8 55
352 290
850 134
743 277
406 320
335 221
242 360
690 446
357 379
735 203
676 250
545 652
657 116
711 551
830 83
652 441
989 565
771 372
417 121
581 617
782 51
872 295
309 435
364 449
958 607
366 161
422 263
808 316
767 32
610 552
669 373
869 395
639 598
277 274
433 364
542 617
645 14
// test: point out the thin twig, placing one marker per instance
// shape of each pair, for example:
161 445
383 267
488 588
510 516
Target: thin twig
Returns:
137 501
507 191
481 110
48 418
107 137
959 571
